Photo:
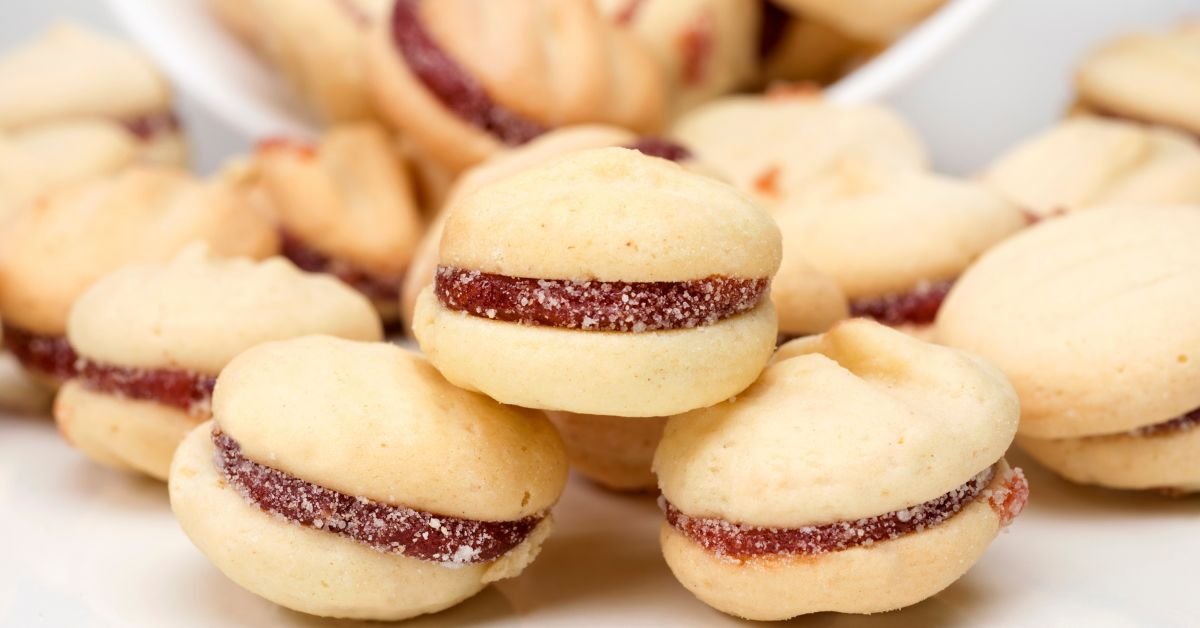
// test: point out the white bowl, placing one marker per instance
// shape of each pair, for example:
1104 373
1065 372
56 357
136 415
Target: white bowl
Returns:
217 71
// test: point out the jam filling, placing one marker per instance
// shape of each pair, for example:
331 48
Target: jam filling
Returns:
50 356
149 126
308 259
186 390
451 84
735 541
1167 428
661 147
394 529
597 305
918 307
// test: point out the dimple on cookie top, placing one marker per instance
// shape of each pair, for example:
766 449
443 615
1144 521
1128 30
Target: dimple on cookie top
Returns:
1092 317
55 247
860 421
376 421
197 312
610 214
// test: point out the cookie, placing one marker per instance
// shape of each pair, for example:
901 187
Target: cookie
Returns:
1091 317
1145 77
781 147
896 243
863 474
348 479
657 275
53 249
1088 161
346 207
152 338
465 78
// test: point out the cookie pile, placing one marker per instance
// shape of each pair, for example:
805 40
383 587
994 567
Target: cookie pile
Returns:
618 255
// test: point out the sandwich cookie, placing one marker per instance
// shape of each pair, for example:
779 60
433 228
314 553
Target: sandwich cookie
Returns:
464 79
552 145
71 74
152 338
345 207
1087 161
1092 317
621 284
862 475
897 243
54 248
348 479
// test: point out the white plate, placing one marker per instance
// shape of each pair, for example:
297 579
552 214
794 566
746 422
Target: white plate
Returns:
214 68
87 547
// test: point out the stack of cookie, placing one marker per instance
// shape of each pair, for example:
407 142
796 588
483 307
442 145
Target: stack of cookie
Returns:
609 262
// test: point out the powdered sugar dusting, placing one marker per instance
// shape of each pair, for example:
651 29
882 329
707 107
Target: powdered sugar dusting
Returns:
451 541
736 542
597 305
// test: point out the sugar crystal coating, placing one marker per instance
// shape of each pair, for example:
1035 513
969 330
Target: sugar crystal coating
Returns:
311 260
1009 499
597 305
737 542
187 390
394 529
452 85
51 356
917 307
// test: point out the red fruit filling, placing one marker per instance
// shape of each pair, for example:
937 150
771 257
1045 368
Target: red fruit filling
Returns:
597 305
1166 428
917 307
49 356
394 529
311 260
451 84
737 541
661 147
186 390
151 125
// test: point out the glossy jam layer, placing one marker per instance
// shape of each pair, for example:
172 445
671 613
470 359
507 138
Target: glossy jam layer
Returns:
395 529
597 305
735 541
311 260
451 84
661 147
917 307
1183 423
186 390
49 356
152 125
